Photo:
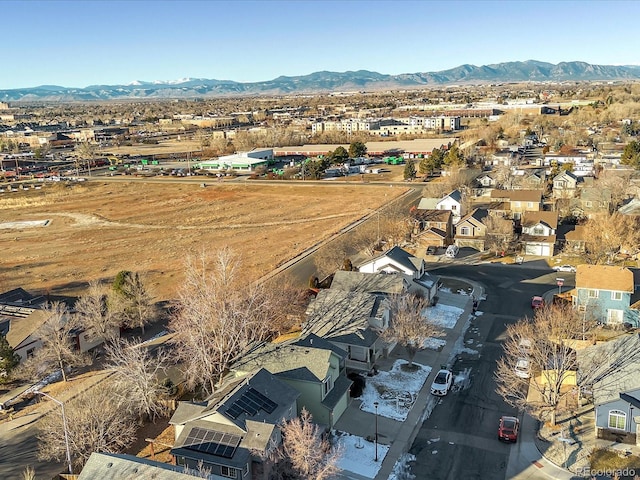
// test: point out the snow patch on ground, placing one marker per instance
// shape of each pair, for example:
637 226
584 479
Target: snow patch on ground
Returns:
25 224
358 455
402 469
434 343
395 390
445 316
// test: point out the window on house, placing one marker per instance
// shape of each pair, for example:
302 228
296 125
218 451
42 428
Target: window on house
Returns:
616 295
227 472
327 385
582 308
617 419
454 207
538 231
465 231
615 316
530 205
31 352
593 293
516 204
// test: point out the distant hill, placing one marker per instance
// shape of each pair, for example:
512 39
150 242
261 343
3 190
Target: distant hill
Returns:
319 82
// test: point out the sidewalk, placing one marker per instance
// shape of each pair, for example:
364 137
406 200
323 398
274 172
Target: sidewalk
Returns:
400 435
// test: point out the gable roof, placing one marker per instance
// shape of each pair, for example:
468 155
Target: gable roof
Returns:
595 194
455 195
368 282
339 314
530 219
116 466
611 368
604 277
401 257
433 215
518 195
475 217
288 360
631 208
428 203
577 234
566 173
21 328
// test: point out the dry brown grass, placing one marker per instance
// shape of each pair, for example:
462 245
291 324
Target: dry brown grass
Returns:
101 227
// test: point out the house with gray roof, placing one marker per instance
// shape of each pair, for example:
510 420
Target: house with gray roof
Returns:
313 366
399 261
228 432
376 283
351 321
115 466
611 371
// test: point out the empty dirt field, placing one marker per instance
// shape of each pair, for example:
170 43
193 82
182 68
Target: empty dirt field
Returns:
58 238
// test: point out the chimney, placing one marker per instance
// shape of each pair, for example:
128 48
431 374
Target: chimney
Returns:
311 341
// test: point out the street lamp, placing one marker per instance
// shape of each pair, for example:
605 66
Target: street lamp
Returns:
64 426
375 404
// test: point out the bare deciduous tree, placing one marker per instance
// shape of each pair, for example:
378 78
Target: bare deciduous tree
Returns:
499 235
331 257
95 314
218 317
58 349
309 455
605 235
546 343
95 423
408 326
138 374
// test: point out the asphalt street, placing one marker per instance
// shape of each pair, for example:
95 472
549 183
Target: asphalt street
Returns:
459 439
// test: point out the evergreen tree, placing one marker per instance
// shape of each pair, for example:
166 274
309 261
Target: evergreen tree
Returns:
8 358
409 170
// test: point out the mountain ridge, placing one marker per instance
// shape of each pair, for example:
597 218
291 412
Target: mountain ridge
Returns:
327 81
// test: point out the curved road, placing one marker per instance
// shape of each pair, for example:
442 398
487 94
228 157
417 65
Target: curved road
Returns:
459 439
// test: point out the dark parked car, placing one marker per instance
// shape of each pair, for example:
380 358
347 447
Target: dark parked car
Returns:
432 250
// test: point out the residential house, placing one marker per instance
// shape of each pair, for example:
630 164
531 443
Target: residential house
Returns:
486 180
433 227
535 180
352 321
21 317
230 431
453 202
516 202
400 261
594 200
117 466
575 239
565 185
631 207
608 294
471 231
539 233
312 366
611 371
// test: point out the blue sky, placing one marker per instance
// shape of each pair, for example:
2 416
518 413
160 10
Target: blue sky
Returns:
87 42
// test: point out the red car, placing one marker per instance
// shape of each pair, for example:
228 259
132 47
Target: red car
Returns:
508 429
537 302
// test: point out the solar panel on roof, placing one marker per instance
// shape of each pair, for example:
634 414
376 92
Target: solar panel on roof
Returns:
213 443
250 402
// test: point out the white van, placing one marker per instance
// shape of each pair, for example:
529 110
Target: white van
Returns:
452 251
